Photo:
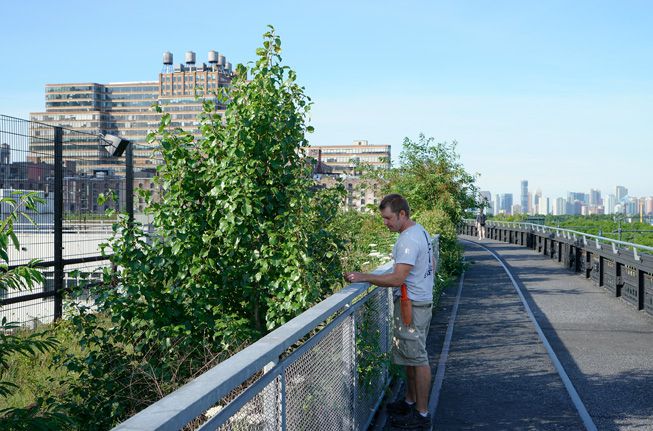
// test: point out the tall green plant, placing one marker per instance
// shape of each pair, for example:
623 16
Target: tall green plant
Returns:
243 243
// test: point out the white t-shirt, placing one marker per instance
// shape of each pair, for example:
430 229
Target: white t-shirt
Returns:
413 247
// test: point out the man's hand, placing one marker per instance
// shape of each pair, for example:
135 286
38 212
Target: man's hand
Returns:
395 278
355 277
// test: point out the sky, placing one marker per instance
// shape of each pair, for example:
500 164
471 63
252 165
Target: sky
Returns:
556 92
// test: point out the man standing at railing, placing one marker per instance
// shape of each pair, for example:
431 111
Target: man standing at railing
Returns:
414 266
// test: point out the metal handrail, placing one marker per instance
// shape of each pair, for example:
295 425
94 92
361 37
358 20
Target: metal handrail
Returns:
193 399
566 233
175 410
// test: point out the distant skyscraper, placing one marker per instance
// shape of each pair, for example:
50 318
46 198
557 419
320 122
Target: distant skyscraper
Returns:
560 207
631 206
612 201
621 193
497 204
537 203
524 196
576 196
574 207
505 201
595 197
648 209
548 206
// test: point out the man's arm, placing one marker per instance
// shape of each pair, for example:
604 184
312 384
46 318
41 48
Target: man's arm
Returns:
394 279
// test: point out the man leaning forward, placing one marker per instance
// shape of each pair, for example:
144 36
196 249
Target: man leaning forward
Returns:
413 265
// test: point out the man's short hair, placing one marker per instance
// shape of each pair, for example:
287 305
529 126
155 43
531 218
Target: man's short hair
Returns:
396 202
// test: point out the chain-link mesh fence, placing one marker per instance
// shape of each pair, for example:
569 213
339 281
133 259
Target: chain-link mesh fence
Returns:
334 381
373 343
320 383
261 413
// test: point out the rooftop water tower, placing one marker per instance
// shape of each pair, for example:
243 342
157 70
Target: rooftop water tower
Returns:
167 62
189 57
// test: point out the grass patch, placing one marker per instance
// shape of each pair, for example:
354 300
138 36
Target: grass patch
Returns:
37 375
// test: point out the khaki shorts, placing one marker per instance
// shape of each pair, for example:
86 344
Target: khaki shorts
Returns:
409 342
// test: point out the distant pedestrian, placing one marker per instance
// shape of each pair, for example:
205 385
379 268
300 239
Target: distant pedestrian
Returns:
480 224
414 266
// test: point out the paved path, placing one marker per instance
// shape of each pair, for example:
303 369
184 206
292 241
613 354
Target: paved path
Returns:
498 374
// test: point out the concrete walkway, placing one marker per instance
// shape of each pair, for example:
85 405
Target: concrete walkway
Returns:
498 374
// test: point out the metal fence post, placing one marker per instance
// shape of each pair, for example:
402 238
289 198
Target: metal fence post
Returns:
58 222
354 371
129 186
283 407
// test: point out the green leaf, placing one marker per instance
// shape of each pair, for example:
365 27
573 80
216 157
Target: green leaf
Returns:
14 240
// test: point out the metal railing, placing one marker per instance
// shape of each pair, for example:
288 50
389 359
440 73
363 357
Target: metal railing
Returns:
335 380
573 234
623 268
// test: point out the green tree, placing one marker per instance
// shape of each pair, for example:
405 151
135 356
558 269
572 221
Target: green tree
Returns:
243 243
430 176
439 190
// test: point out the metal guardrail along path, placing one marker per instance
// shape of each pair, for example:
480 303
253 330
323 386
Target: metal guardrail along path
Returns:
624 269
335 380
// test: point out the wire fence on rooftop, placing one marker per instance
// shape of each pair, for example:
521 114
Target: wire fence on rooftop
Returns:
69 171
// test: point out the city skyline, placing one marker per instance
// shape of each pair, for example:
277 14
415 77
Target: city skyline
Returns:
563 191
516 191
536 202
557 92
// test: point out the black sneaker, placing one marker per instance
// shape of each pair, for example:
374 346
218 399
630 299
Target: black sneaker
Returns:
412 421
399 407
